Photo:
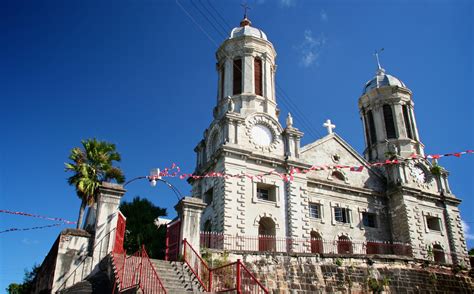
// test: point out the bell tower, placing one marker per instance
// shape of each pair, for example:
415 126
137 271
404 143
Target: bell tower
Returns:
246 70
387 111
245 137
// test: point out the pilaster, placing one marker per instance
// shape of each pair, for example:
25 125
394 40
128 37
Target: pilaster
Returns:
189 210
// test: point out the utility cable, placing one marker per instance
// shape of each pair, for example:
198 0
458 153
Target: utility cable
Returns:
286 101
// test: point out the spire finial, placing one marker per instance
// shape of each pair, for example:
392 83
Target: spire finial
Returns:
246 8
245 21
376 54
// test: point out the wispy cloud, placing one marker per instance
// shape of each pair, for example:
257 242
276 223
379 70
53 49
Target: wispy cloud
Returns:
287 3
27 241
310 49
323 16
467 231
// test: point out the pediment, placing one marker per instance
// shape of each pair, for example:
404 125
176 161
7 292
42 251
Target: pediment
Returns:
332 150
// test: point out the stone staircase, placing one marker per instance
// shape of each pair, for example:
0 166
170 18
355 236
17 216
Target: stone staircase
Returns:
176 277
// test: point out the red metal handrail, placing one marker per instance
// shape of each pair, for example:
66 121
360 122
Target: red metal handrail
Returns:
150 282
248 284
136 270
241 279
195 262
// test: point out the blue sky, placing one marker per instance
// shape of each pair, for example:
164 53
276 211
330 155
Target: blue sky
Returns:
141 74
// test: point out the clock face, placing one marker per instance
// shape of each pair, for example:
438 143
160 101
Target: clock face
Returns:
419 174
262 135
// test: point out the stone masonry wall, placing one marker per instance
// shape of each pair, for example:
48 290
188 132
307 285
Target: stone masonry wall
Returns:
311 274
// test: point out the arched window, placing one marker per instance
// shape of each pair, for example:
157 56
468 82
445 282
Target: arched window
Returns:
438 254
266 234
316 243
257 65
389 123
406 118
373 136
344 245
237 81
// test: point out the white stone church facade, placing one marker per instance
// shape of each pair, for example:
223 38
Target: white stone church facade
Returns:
409 203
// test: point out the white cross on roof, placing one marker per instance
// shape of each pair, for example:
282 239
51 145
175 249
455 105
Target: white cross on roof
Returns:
329 126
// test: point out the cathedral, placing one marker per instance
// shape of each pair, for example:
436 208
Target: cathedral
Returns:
407 203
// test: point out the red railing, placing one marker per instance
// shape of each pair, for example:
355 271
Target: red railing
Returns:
197 265
230 277
150 282
136 271
265 243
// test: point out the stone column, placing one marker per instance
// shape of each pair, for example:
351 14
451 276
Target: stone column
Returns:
106 220
189 210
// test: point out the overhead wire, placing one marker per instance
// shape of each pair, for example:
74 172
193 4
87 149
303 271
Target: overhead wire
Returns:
280 93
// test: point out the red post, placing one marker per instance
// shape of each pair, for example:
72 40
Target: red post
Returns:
167 245
141 264
239 291
210 281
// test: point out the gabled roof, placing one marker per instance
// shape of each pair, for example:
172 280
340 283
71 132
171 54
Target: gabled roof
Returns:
345 145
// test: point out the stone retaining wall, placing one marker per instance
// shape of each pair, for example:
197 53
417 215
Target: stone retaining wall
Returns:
312 274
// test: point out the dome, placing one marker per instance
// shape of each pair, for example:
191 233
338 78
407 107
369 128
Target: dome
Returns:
381 80
246 29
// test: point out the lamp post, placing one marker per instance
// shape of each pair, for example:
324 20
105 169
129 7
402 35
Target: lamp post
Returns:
153 178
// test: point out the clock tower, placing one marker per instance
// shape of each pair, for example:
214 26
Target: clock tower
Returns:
424 212
244 139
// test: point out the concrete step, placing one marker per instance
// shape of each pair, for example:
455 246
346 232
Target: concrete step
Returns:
176 277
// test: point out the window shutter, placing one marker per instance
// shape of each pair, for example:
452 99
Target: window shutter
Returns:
258 76
237 81
389 123
367 131
222 80
407 122
373 136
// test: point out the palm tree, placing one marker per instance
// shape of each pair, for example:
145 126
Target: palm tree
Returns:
92 165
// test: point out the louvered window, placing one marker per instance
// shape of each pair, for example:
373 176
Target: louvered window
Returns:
407 122
373 137
389 123
222 80
258 76
237 85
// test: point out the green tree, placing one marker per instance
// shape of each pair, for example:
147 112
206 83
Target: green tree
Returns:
141 228
471 251
27 286
91 165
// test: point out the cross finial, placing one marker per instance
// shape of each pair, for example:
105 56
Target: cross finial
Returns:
329 126
246 8
376 54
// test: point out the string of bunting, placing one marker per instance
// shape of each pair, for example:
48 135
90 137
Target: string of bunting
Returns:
31 228
58 219
175 171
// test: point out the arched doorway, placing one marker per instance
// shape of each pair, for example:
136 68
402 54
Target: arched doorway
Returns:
438 254
266 234
316 243
344 245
